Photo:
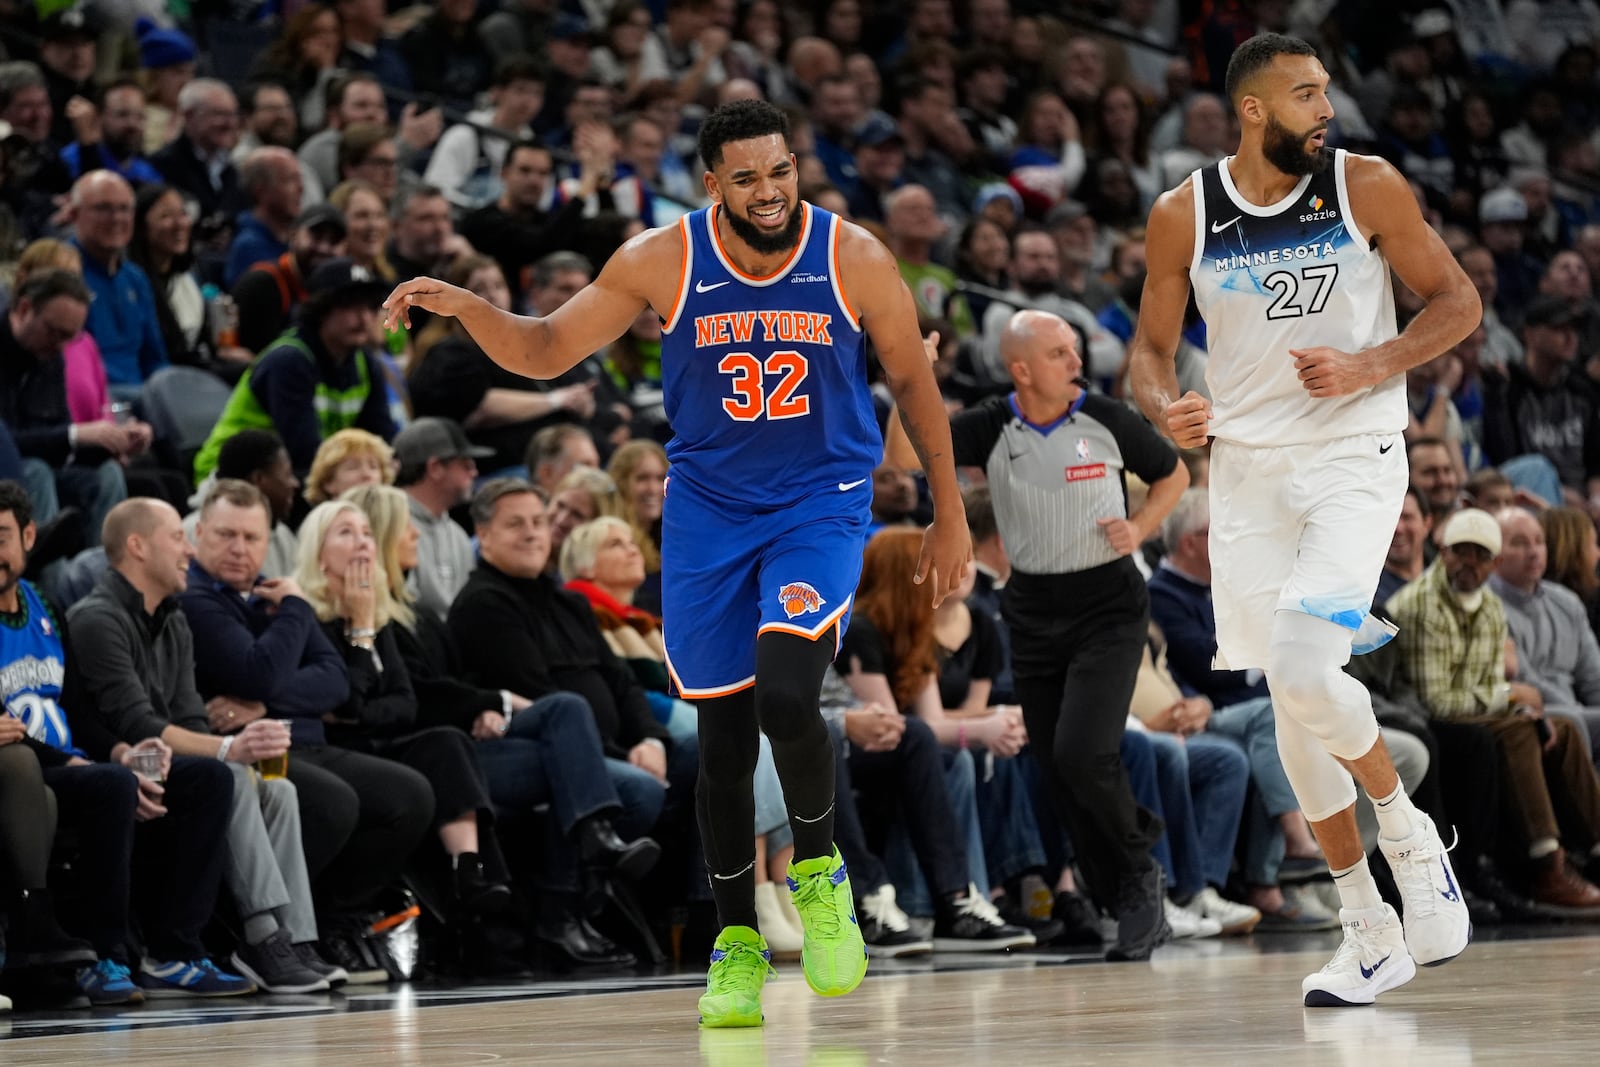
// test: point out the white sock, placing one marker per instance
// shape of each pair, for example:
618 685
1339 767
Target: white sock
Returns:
1543 847
1356 887
1397 816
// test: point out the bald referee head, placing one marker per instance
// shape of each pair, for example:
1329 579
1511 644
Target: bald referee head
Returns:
1040 350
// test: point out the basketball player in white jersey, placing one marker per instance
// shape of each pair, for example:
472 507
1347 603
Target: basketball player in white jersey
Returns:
1288 247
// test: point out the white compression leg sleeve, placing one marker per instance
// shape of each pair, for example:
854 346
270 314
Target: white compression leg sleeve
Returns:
1321 712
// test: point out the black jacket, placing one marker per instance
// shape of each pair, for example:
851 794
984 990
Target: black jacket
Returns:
181 167
443 698
133 672
33 400
381 703
532 637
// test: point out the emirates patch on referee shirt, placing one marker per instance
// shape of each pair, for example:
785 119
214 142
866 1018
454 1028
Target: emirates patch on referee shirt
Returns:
1085 472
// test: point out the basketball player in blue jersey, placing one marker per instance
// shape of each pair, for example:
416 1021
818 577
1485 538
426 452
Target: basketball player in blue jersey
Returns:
1288 247
766 303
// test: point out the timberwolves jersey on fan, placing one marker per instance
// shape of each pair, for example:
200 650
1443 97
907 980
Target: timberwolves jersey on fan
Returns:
1294 275
765 379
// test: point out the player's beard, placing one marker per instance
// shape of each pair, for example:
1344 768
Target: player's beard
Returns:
765 242
1286 149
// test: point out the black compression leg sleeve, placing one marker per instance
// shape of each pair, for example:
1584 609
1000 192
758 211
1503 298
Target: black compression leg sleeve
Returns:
725 803
789 673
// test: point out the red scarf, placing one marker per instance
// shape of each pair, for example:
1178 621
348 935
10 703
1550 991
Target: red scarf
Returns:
611 612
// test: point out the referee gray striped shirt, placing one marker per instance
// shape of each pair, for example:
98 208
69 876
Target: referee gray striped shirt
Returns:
1051 484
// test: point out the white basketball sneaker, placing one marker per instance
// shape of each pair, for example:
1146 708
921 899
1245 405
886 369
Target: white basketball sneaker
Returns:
1372 960
1436 922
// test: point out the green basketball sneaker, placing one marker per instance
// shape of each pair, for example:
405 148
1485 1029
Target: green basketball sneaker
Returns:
833 954
740 963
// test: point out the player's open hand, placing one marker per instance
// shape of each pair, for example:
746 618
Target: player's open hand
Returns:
1328 372
946 552
1189 420
429 294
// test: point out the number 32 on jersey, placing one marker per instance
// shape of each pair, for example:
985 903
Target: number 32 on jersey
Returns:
766 388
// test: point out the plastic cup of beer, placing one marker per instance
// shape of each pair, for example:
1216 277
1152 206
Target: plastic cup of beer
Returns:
146 762
277 766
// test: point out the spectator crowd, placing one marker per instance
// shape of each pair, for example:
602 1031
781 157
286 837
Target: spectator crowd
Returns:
330 653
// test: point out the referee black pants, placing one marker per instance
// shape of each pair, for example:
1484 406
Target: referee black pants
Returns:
1076 642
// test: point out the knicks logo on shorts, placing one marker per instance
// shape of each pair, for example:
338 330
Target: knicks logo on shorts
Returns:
798 599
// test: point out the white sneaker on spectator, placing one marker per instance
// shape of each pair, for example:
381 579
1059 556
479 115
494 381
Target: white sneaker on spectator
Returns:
783 939
1236 920
887 929
1186 923
5 1002
1372 959
1436 921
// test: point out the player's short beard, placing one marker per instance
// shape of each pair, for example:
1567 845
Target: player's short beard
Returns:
763 242
1286 149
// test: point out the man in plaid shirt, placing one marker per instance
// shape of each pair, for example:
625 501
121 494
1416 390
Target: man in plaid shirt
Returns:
1453 639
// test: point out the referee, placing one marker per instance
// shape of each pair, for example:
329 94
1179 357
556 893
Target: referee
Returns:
1075 604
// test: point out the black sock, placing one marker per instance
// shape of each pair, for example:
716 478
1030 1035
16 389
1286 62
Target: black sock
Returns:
725 804
789 672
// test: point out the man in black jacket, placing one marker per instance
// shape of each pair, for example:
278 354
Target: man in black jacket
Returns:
168 827
518 630
77 464
141 679
198 161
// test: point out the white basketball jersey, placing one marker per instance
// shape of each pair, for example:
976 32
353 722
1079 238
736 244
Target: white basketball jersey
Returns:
1296 274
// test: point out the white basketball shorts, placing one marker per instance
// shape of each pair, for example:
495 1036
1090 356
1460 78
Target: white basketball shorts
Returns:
1299 528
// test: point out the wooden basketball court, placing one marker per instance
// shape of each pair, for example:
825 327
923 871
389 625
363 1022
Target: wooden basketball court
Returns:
1512 1000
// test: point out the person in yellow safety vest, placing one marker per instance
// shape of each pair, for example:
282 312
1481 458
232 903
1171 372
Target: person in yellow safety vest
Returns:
317 379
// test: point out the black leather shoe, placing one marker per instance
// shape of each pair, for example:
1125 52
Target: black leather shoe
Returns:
476 893
573 937
600 848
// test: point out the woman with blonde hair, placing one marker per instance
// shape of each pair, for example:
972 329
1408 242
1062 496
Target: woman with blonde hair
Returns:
639 469
1574 556
347 459
531 752
584 495
345 581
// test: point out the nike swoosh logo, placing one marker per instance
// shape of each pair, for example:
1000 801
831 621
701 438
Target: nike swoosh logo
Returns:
702 287
1383 450
1367 972
1218 227
845 487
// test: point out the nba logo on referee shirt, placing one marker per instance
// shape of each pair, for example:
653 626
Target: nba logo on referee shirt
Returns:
799 598
1085 469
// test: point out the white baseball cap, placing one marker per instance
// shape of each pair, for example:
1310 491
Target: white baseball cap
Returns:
1471 526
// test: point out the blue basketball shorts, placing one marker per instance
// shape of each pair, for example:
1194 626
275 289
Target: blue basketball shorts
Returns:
729 575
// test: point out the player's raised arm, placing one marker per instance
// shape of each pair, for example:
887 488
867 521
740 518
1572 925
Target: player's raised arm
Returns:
644 270
871 281
1169 249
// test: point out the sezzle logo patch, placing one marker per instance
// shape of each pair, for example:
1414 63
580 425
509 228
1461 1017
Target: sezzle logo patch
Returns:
1317 214
800 598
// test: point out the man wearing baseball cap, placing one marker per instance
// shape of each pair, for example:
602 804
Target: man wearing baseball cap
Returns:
269 293
1452 638
438 467
319 378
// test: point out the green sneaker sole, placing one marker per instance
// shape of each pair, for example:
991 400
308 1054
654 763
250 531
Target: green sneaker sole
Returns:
732 1018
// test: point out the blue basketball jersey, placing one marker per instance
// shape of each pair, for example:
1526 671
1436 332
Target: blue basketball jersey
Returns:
32 669
765 379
